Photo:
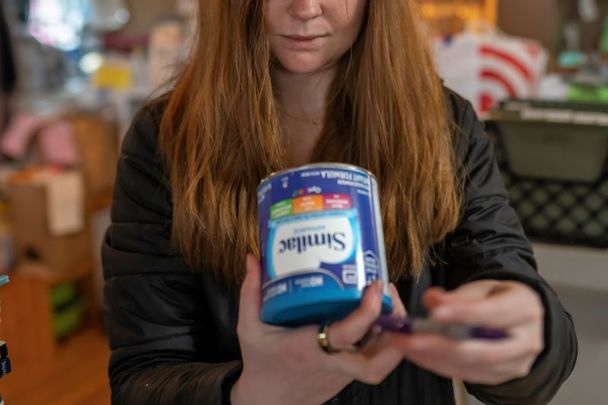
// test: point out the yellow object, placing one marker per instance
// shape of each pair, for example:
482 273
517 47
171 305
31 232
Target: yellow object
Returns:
114 77
437 12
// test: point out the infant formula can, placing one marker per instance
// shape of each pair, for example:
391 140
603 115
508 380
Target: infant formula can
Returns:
321 243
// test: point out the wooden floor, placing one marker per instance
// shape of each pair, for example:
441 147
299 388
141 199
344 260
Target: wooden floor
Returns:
78 375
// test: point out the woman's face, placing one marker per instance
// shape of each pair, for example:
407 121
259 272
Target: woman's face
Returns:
307 36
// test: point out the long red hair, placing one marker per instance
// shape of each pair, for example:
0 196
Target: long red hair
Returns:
387 112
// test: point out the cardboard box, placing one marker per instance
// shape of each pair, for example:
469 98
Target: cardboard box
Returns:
97 143
61 242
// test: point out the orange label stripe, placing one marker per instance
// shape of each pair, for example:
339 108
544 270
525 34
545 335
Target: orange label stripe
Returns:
309 203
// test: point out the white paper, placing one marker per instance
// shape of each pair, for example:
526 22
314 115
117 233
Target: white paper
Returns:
65 203
588 10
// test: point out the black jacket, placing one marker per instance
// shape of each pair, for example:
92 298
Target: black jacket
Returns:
8 74
173 331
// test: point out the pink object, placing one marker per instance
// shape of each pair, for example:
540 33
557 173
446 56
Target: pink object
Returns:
57 145
337 201
17 137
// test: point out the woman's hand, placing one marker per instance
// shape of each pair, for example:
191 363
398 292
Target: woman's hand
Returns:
283 366
507 305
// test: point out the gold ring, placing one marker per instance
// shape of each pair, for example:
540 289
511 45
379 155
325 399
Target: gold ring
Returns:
323 340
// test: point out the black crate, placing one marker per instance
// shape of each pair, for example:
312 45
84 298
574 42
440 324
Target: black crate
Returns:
557 200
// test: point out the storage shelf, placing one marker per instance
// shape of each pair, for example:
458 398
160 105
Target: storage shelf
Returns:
27 322
41 272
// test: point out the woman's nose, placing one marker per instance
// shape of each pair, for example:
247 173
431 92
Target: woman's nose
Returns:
305 9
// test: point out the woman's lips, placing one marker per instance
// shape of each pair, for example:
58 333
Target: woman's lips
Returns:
303 37
304 42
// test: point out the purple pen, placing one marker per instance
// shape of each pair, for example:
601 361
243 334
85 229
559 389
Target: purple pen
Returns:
426 325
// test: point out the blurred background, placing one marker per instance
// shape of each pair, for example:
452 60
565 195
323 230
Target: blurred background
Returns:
74 72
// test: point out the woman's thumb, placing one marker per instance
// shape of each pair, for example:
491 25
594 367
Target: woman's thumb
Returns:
251 294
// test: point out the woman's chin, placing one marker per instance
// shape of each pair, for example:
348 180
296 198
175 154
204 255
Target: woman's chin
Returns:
304 66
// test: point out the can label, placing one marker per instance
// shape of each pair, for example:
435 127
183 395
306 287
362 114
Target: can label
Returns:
310 241
320 234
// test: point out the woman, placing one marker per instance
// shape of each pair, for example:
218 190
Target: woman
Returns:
279 83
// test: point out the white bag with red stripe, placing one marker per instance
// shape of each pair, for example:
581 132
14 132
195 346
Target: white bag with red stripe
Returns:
489 66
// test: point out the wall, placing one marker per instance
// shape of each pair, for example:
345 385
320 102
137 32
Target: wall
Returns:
538 19
144 13
543 20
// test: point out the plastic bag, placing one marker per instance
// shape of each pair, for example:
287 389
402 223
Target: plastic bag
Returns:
487 66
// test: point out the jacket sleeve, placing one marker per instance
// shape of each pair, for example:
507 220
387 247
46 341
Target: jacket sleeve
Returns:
155 309
489 243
